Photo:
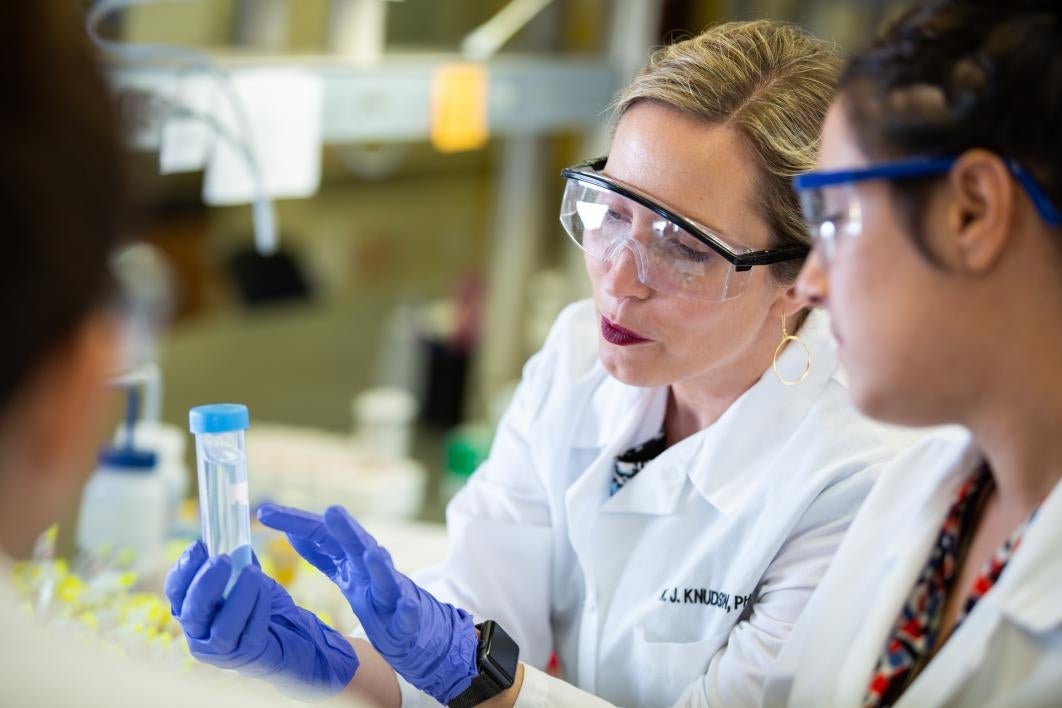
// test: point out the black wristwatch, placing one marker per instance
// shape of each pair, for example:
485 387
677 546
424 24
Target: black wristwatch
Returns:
496 658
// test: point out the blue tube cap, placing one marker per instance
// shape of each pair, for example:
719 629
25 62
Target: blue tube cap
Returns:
218 418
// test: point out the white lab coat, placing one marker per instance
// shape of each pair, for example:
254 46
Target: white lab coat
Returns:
1007 652
683 586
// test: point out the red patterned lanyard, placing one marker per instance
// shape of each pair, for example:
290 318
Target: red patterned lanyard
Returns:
915 632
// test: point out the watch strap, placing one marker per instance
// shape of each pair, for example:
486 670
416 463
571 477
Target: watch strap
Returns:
497 656
481 689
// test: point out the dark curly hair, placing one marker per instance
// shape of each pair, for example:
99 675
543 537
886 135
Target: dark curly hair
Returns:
951 75
61 187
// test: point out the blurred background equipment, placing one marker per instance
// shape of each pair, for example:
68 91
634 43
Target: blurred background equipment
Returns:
409 151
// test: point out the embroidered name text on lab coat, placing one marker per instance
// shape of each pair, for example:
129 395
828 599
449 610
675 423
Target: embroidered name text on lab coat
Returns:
704 596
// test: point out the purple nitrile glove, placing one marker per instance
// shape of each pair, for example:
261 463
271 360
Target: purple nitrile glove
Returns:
431 644
258 629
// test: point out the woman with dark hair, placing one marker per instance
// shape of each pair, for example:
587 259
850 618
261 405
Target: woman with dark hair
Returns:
937 224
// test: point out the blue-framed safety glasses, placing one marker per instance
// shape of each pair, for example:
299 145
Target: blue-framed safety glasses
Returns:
672 253
832 209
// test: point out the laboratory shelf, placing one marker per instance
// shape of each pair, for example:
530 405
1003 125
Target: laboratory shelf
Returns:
391 100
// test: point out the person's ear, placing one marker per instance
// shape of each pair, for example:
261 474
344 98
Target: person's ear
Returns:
792 300
982 209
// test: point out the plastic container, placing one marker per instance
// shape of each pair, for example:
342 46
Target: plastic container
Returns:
383 422
467 447
123 510
123 519
221 458
169 442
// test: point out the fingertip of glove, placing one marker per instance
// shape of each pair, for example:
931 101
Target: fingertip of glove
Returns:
196 552
336 513
267 512
220 562
342 525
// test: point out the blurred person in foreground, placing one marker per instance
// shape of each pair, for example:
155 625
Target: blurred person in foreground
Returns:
62 202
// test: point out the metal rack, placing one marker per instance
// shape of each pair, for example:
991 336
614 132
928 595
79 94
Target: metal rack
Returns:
390 101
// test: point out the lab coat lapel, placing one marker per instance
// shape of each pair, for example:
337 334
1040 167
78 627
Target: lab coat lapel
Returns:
1026 594
887 587
657 488
888 584
617 418
1031 582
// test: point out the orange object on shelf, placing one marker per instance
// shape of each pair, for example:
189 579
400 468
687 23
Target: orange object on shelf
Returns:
458 118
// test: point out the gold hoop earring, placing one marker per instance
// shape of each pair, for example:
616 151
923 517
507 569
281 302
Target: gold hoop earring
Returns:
786 339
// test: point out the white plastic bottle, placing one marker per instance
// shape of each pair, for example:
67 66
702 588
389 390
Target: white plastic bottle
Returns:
123 509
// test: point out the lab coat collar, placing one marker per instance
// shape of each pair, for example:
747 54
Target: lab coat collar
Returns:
888 582
1029 585
746 438
738 452
658 487
937 492
618 414
1026 594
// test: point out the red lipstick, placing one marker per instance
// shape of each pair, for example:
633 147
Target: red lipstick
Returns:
614 334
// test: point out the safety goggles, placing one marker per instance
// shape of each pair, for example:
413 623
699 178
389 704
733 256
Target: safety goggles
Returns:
833 213
671 253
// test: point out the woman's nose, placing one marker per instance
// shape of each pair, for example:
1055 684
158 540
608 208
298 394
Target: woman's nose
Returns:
812 284
620 277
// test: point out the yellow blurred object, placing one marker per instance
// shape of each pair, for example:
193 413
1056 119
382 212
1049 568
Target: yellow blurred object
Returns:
458 118
280 562
188 510
90 620
70 589
126 557
24 575
51 534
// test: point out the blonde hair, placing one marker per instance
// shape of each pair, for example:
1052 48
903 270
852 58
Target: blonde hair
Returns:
773 82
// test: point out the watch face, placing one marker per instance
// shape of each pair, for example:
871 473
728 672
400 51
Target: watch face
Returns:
498 655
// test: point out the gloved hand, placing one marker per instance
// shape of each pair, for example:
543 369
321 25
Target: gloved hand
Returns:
258 629
431 644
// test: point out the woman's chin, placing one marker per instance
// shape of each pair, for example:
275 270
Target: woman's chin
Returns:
630 368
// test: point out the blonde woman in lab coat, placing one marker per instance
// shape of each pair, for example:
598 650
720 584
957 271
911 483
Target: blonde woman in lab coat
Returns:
938 222
658 504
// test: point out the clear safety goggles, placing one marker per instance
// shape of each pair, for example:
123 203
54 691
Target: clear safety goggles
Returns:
671 253
833 213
